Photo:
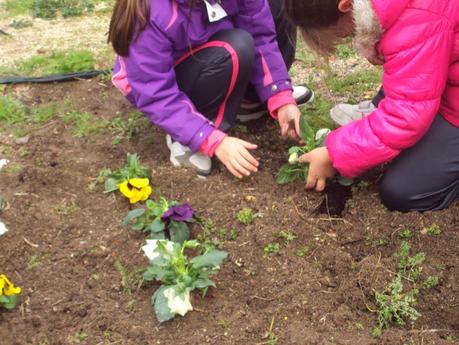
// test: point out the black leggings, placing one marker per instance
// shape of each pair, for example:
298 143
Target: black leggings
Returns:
424 177
206 74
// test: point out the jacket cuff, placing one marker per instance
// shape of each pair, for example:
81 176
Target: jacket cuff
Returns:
279 100
209 145
267 91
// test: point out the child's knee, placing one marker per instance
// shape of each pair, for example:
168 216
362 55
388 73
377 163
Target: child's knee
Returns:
243 44
394 196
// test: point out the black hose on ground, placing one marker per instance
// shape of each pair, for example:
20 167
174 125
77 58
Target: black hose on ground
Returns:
54 77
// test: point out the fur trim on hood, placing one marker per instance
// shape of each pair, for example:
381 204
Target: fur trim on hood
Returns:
368 30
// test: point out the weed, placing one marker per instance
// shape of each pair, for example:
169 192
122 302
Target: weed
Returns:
128 280
356 83
394 305
125 128
430 282
33 262
12 111
433 230
406 233
345 51
287 236
382 242
303 251
223 323
67 208
83 124
271 248
43 113
78 337
246 216
210 236
57 62
409 266
100 179
233 234
270 335
440 267
20 24
450 338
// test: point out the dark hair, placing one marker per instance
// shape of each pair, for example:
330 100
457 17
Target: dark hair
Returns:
315 19
129 19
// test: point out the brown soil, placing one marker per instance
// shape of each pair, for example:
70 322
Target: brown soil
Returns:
64 241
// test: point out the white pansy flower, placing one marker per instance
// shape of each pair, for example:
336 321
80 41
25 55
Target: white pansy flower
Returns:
150 249
3 162
322 133
178 304
293 158
3 229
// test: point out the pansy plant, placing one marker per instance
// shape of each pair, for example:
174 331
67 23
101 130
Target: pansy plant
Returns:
8 293
132 180
293 170
179 275
162 219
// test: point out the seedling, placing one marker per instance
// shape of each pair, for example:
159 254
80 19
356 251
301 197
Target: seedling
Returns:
430 282
287 236
178 275
397 304
409 266
246 216
303 251
271 248
406 233
128 280
270 335
211 237
434 230
293 170
162 219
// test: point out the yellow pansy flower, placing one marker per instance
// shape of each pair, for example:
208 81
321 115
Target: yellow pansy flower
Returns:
7 288
135 189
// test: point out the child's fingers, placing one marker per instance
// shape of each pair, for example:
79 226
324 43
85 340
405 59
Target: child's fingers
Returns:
248 145
239 167
320 186
246 164
311 182
306 158
248 157
233 171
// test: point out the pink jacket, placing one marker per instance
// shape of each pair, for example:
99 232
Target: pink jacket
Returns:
419 42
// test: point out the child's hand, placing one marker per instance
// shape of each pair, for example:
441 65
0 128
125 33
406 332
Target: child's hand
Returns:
233 152
289 121
320 168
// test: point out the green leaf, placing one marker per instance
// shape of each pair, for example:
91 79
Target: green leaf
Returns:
157 236
151 272
110 185
136 213
157 226
203 283
8 302
159 301
139 226
291 172
210 259
294 149
2 202
178 231
307 133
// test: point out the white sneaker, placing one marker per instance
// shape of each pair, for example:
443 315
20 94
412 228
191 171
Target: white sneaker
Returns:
254 111
183 156
344 113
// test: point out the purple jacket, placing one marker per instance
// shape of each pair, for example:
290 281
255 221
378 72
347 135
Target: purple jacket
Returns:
147 78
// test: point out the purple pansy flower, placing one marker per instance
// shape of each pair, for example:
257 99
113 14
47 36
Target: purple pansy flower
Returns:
179 213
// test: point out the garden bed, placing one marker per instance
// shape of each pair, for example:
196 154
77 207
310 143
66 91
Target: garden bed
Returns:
79 268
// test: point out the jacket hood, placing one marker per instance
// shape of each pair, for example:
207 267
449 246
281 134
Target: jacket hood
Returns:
371 19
